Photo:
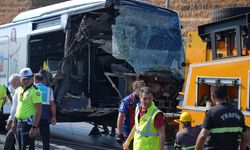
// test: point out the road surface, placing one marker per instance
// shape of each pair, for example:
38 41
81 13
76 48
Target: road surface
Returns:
75 136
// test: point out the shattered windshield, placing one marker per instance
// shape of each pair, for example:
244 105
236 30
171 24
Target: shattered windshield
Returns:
148 38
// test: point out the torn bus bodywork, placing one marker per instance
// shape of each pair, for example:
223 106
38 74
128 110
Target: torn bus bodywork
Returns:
92 62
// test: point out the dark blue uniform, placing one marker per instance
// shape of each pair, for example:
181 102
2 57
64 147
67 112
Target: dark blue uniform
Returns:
186 138
225 123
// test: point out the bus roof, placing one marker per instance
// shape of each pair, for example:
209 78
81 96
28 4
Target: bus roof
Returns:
59 8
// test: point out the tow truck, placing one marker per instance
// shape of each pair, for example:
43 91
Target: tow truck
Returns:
218 53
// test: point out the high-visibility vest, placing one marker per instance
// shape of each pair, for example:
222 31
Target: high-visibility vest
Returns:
146 136
2 94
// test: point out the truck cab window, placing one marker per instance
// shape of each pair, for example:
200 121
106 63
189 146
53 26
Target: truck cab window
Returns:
232 42
203 96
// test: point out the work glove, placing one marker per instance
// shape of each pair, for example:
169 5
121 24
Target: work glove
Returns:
120 139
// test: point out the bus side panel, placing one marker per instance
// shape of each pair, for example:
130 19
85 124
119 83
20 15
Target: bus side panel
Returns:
13 54
4 63
18 47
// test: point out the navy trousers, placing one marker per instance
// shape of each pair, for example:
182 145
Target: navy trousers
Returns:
24 141
45 133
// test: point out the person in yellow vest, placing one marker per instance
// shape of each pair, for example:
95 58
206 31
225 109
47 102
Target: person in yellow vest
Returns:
2 96
148 131
28 111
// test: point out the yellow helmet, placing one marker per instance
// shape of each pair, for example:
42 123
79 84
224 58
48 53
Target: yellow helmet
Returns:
185 117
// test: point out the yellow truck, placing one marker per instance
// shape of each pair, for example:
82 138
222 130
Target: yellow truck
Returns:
218 53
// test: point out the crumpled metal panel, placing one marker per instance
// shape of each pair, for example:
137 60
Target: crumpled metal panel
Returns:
148 38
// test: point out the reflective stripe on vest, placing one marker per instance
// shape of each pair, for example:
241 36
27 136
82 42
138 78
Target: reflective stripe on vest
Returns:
148 133
226 130
177 145
188 147
184 148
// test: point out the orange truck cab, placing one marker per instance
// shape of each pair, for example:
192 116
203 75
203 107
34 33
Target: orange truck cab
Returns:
219 53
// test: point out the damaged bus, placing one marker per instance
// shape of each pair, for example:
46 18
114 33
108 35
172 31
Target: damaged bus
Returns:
91 51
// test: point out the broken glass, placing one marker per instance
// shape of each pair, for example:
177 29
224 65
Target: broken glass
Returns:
148 38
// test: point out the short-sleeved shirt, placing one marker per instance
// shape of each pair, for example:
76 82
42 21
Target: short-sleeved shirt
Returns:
2 94
224 122
47 97
127 107
26 100
186 138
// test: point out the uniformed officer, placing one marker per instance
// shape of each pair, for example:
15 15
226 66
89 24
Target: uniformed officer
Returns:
148 131
48 108
223 124
186 138
126 116
28 111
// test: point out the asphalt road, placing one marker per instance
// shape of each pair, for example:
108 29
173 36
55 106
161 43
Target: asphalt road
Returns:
75 136
57 144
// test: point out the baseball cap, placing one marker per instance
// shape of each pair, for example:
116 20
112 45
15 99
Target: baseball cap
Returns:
26 73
